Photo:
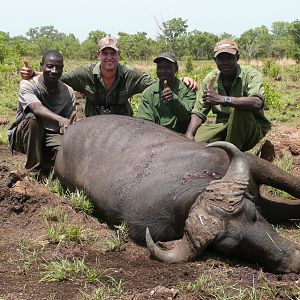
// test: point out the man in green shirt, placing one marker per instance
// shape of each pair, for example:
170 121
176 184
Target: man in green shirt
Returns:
235 94
167 102
107 84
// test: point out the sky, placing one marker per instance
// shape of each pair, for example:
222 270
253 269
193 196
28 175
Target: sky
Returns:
132 16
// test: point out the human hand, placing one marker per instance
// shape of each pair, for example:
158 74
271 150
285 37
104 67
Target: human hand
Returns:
64 123
190 83
189 136
210 97
26 71
166 94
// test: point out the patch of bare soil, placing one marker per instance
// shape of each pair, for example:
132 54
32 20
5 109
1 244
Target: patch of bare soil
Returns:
25 251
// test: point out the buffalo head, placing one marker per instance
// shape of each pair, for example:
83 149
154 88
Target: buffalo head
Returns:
225 217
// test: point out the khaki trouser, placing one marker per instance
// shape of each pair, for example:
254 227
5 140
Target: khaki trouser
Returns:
242 130
39 145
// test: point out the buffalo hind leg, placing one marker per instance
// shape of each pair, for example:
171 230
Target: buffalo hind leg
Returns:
279 209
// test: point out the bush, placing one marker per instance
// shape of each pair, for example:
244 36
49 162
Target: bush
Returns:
271 69
189 65
273 97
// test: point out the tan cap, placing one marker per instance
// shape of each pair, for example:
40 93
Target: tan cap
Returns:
108 42
228 46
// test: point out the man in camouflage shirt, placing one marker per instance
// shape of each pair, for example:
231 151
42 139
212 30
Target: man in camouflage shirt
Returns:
235 94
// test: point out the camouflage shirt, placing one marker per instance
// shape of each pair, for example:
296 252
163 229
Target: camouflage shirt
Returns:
87 80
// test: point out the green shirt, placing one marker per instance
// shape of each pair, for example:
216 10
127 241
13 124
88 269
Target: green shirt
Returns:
174 115
87 80
248 82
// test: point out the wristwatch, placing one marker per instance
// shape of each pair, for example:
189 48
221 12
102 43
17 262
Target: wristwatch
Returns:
227 101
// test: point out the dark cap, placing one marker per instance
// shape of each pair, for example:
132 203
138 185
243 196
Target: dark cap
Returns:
228 46
168 56
108 42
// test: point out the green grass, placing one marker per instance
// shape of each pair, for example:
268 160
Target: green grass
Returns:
286 164
116 241
80 202
215 284
78 270
29 253
55 214
57 233
53 185
3 135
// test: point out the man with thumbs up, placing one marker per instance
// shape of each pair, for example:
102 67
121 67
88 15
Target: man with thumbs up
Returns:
46 108
167 102
235 94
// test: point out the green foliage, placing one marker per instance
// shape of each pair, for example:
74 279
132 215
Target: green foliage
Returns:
90 45
201 44
189 64
62 232
255 42
281 40
116 242
135 46
286 164
172 36
293 73
81 202
53 185
29 252
55 214
294 30
135 102
273 97
221 287
271 69
3 135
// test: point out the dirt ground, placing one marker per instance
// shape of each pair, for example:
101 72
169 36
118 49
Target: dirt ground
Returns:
25 249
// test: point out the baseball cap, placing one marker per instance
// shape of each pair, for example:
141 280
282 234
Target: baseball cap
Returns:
228 46
168 56
108 42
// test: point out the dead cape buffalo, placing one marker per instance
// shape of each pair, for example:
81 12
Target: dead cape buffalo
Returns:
150 177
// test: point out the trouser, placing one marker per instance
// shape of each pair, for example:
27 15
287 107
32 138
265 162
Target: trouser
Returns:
39 145
242 130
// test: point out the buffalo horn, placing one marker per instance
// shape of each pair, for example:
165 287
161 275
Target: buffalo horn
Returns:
181 252
238 166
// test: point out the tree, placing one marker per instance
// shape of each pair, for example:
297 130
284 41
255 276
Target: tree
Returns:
69 46
201 44
280 29
172 35
46 32
255 42
135 46
4 40
294 30
90 45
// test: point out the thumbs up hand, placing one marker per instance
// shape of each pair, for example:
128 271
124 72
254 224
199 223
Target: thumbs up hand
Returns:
165 84
26 61
26 71
166 94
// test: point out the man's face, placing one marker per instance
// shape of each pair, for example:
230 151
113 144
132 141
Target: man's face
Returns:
227 63
52 69
166 70
109 59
